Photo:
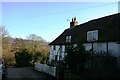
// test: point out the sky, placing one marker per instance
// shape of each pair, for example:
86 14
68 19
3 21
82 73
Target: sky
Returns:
50 19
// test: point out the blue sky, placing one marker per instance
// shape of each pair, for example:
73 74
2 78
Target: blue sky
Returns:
49 19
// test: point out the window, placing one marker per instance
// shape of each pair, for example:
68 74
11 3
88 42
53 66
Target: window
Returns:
92 35
68 38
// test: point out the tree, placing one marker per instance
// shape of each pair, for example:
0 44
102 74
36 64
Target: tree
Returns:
18 44
3 31
6 45
39 48
0 42
34 37
5 41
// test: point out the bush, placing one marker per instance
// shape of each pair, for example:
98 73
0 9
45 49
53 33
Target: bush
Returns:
103 60
76 59
23 58
88 65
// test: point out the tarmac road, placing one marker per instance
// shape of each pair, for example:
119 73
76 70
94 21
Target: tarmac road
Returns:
27 73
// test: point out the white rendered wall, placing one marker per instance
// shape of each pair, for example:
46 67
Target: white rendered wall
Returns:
100 47
88 46
97 47
52 53
119 50
59 51
113 48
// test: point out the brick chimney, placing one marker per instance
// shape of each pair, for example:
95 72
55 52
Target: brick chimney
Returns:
73 23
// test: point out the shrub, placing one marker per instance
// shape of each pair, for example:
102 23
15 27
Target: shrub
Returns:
103 60
23 58
76 59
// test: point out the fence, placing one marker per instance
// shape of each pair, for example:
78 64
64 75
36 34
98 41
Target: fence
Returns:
47 69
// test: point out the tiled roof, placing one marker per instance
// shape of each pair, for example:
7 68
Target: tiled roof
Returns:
108 30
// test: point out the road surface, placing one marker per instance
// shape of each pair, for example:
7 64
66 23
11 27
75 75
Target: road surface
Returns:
27 73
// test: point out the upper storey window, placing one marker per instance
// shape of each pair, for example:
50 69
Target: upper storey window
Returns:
92 35
68 38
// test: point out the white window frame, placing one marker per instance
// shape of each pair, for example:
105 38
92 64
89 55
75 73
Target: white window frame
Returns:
68 38
92 35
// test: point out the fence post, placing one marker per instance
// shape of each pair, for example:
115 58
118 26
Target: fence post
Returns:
59 73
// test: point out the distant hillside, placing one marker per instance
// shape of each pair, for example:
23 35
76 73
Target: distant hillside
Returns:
41 42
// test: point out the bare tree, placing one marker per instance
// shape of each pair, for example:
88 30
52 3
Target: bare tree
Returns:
5 45
34 37
0 42
5 41
3 31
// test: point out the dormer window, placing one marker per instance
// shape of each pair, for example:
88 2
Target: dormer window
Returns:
92 35
68 38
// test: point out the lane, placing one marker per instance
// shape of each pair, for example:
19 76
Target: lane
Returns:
27 73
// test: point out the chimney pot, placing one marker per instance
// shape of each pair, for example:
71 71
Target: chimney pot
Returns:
73 23
74 18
